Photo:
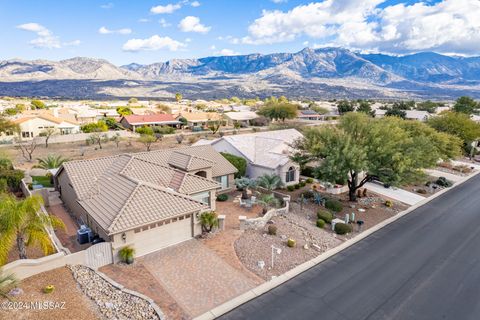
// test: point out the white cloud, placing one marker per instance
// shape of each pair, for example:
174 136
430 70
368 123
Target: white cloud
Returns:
45 38
192 24
279 1
109 5
187 40
104 30
213 47
446 26
195 4
169 8
74 43
143 20
164 23
227 52
155 42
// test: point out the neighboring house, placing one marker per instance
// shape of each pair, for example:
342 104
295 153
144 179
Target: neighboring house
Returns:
309 115
242 117
33 126
148 200
265 152
409 114
133 122
200 119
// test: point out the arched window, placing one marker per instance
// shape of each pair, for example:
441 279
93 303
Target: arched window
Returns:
201 174
290 175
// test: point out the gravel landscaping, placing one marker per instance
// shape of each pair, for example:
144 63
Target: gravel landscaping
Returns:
112 302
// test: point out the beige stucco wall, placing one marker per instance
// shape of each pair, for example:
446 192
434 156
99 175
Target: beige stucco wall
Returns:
37 125
281 171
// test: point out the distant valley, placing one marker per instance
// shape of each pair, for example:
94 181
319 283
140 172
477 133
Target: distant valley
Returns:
311 73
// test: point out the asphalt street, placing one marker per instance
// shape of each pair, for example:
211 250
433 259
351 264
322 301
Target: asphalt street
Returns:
425 265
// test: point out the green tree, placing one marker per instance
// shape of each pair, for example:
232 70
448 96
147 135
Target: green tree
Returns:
47 133
396 112
23 226
345 106
99 126
51 161
403 105
278 111
361 149
37 104
97 138
238 162
7 126
145 130
235 100
124 111
318 109
365 107
111 123
208 220
268 201
20 107
178 97
147 140
164 108
428 106
466 105
457 124
10 111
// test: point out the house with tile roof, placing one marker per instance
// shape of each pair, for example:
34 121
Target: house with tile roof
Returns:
32 126
135 121
266 152
148 200
201 119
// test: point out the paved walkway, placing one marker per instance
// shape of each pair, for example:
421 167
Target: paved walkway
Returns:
195 276
439 173
395 194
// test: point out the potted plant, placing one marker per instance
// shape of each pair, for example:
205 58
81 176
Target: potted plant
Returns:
126 254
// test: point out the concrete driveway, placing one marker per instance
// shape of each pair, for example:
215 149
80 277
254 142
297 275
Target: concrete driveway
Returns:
195 276
404 196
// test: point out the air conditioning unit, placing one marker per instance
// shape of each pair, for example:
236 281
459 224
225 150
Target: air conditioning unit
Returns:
84 234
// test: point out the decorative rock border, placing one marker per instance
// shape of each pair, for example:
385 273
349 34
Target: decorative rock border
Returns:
113 299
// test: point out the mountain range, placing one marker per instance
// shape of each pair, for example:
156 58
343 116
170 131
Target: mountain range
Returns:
310 73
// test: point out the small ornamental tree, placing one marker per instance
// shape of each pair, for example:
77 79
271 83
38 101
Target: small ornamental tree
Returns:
238 162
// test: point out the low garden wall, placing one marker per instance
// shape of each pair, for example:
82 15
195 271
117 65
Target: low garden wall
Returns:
260 222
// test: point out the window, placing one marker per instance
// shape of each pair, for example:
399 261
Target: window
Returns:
290 175
202 197
223 180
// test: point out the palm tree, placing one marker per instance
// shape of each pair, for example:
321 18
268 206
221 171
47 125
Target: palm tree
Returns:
7 281
50 162
21 224
208 220
267 201
269 181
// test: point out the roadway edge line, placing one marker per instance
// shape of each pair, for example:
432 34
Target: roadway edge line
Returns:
277 281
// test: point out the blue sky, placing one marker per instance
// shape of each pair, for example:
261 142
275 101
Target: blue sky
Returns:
152 31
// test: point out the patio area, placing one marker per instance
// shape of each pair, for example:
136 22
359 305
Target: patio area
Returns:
67 237
232 209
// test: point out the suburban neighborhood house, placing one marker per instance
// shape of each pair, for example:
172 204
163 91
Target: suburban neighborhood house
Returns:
147 200
242 117
33 126
200 119
133 122
266 152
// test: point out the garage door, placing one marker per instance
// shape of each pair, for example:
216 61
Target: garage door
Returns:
163 236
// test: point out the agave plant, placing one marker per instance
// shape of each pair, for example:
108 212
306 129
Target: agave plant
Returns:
7 282
245 183
50 162
269 181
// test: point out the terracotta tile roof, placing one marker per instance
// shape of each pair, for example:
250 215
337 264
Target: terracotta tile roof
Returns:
135 119
126 191
188 162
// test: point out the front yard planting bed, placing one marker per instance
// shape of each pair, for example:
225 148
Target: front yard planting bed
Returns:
45 181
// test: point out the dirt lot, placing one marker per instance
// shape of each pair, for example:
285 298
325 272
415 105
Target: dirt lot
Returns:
76 304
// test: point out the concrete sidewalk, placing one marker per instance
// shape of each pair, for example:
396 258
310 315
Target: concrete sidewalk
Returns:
395 194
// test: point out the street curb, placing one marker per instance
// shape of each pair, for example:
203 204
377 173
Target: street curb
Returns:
277 281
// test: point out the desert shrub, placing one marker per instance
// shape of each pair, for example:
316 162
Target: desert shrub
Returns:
308 194
309 180
421 191
297 186
163 129
290 188
364 193
291 243
208 220
222 197
192 139
333 205
342 228
272 230
320 223
12 177
145 130
325 216
126 254
389 203
260 121
444 182
302 184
